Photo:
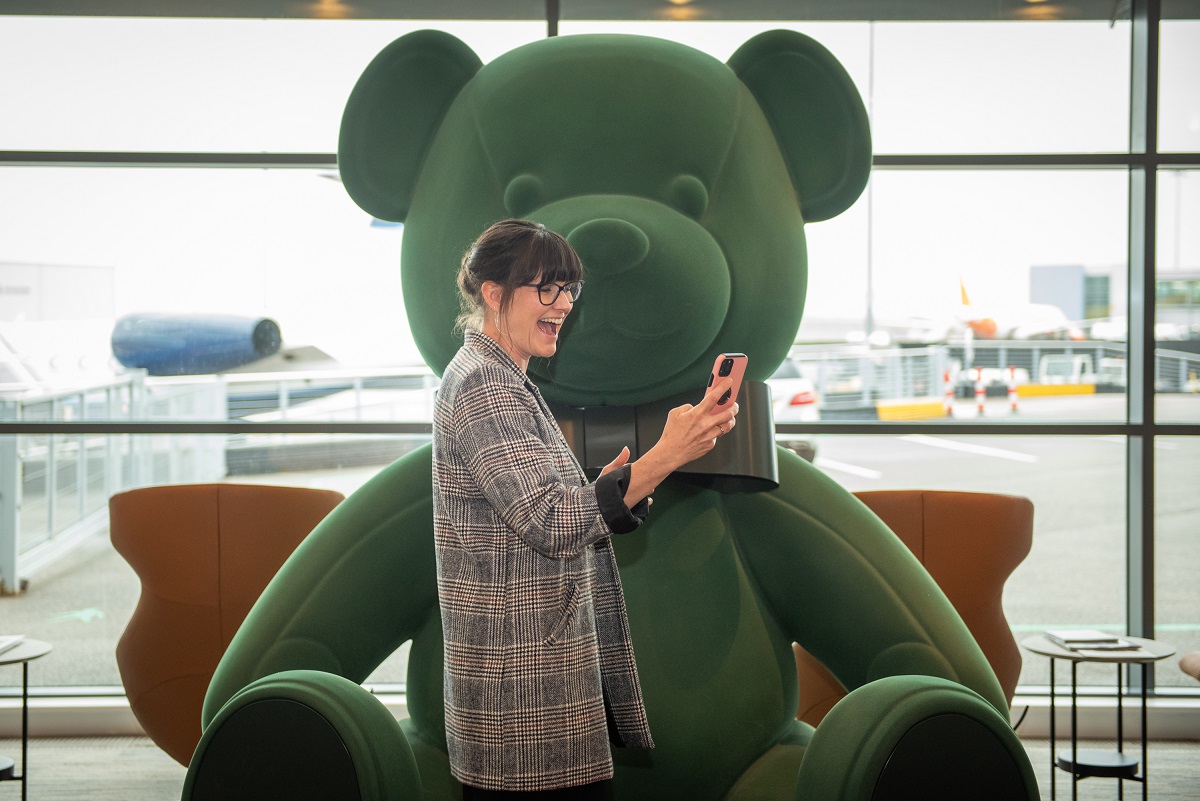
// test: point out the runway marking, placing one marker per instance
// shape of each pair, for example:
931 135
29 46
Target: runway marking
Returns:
1158 443
981 450
842 467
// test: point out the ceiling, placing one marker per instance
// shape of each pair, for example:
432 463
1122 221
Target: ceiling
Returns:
606 9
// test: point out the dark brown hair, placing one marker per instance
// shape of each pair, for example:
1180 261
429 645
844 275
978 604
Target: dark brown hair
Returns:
512 253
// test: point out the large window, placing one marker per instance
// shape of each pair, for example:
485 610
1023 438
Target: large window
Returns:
198 85
982 282
285 243
1177 547
1177 297
82 593
1179 111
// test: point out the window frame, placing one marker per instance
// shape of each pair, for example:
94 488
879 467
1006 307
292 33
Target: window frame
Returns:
1142 162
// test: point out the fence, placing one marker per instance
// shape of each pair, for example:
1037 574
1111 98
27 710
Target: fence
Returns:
853 377
858 378
54 489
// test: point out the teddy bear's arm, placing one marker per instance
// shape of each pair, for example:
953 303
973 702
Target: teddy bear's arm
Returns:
360 584
842 584
286 694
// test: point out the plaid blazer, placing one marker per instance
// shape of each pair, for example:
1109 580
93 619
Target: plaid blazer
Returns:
539 666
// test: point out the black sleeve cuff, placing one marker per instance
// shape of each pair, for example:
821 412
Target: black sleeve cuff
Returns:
610 494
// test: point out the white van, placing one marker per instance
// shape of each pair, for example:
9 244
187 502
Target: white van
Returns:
1066 368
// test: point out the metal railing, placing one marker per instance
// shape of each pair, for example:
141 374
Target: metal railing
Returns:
54 488
859 377
856 376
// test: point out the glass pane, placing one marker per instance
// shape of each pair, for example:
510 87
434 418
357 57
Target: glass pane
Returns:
81 590
1074 576
1177 298
848 41
1014 87
1179 94
216 85
288 246
1177 552
989 103
969 293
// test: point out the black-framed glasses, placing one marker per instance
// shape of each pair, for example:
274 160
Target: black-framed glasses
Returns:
548 293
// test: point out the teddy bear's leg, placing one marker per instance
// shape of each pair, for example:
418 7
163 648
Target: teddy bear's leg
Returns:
905 737
773 775
303 734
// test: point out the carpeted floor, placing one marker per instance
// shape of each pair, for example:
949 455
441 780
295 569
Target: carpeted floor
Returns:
134 769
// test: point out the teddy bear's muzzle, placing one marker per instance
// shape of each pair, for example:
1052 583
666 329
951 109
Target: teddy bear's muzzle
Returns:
658 286
610 245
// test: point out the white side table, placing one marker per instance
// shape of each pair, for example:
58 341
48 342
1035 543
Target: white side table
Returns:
22 654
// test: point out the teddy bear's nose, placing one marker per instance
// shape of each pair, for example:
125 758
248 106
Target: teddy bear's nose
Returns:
609 245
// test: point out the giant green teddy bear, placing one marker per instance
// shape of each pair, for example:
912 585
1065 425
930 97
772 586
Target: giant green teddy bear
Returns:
685 185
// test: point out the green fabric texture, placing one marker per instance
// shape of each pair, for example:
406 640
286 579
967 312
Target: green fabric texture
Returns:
657 162
313 616
813 105
814 547
685 185
392 114
383 762
856 738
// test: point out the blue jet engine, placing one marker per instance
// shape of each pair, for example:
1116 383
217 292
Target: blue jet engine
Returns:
192 344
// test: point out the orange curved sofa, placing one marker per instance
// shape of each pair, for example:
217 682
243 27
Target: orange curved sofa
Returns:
204 553
970 542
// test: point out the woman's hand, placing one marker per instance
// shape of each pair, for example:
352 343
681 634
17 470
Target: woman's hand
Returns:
617 464
690 432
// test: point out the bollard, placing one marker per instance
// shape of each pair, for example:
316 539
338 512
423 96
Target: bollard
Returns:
1012 390
947 394
980 391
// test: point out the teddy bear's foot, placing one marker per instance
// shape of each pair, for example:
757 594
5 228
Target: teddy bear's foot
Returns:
302 734
906 737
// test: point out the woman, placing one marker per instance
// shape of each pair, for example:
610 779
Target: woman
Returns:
539 668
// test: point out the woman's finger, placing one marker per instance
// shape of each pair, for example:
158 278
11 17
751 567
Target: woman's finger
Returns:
714 394
618 463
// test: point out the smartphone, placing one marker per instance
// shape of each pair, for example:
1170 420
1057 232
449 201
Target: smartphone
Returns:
734 366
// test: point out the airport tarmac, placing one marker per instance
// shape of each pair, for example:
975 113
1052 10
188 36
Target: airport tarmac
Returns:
1073 577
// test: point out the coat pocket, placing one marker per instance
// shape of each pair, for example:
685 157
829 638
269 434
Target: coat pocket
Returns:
558 631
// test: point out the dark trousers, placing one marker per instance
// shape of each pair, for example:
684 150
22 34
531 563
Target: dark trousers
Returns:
597 791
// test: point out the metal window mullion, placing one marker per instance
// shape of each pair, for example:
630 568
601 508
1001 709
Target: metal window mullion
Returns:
51 473
1143 184
10 490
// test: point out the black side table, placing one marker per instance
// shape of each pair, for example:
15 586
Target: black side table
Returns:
1091 762
22 654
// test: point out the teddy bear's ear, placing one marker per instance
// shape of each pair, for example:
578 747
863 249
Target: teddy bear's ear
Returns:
393 114
817 115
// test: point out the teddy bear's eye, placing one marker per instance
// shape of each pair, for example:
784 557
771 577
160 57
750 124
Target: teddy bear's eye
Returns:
688 195
524 194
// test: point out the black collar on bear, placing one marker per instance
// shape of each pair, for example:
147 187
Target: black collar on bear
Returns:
743 460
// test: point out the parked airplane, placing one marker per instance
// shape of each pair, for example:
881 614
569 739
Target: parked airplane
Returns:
56 355
1016 321
980 321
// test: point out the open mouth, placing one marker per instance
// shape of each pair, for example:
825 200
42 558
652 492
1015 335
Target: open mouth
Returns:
550 327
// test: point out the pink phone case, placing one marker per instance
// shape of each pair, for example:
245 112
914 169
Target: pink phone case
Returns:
734 366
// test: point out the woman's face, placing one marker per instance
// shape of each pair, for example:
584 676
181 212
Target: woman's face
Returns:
528 327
